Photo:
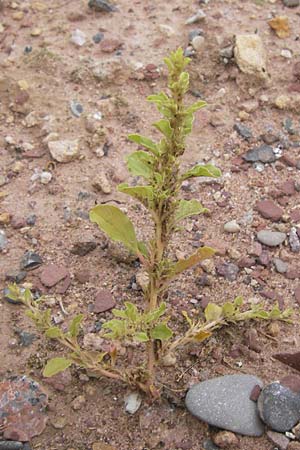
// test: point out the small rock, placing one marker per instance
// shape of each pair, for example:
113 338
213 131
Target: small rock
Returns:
53 274
11 445
232 227
18 222
102 6
83 248
281 26
104 301
291 3
15 276
25 338
280 266
5 218
78 402
297 294
263 153
271 238
64 151
278 439
226 439
228 270
209 445
294 240
279 407
83 276
198 43
78 38
250 55
243 131
45 177
194 33
264 258
286 53
98 37
76 108
269 210
133 402
224 402
102 184
255 393
200 15
30 261
269 138
31 220
292 382
110 45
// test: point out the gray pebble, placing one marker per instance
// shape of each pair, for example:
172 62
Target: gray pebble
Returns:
30 261
271 238
243 131
279 407
102 6
194 33
224 402
294 240
232 227
3 240
264 153
98 37
76 108
229 271
291 3
280 266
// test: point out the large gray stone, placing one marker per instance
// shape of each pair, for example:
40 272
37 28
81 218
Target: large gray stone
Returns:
271 238
224 402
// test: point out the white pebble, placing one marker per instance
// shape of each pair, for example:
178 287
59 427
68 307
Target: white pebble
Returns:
232 227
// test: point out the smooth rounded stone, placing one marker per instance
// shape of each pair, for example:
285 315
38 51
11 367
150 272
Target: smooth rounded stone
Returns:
198 43
269 210
133 402
232 227
279 407
98 37
3 240
101 5
280 266
194 33
271 238
76 108
225 402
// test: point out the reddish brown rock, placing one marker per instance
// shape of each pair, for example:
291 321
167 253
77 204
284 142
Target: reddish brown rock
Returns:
256 249
246 262
278 439
288 188
267 293
255 393
63 285
264 258
293 273
83 276
290 359
297 294
226 439
288 160
295 215
60 381
292 382
269 210
104 301
18 222
110 45
219 245
53 274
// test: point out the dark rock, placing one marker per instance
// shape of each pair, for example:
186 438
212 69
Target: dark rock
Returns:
83 248
31 261
228 270
52 274
23 405
6 292
279 407
104 301
11 445
76 108
290 359
264 154
243 131
292 382
291 3
209 445
102 6
224 402
278 439
194 33
252 340
31 220
15 276
269 210
26 339
98 37
264 258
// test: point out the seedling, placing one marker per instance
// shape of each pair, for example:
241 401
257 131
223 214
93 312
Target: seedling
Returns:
158 165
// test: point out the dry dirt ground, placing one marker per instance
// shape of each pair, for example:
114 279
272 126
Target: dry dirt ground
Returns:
43 82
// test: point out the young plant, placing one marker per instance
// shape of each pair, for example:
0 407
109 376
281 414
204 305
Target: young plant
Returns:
158 164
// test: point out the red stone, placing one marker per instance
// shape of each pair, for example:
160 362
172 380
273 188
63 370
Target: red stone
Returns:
288 160
52 274
288 187
292 274
294 87
292 382
264 258
255 393
290 359
295 215
110 45
63 285
271 295
104 301
18 222
83 276
269 210
246 262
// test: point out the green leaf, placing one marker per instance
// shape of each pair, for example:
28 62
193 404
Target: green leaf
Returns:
143 248
74 327
201 254
187 318
207 170
159 99
53 333
188 123
188 208
144 142
140 164
184 81
56 365
261 315
195 106
142 193
141 337
119 313
164 127
228 309
131 311
118 328
238 301
212 312
115 224
161 331
156 314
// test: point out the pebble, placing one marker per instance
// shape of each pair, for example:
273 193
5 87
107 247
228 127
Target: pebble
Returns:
83 276
271 238
278 439
30 261
224 402
45 177
76 108
102 6
279 407
198 43
102 184
286 53
280 266
98 37
15 276
291 3
232 227
104 301
200 15
11 445
226 439
83 248
3 240
31 220
264 153
250 55
297 294
133 402
53 274
78 37
228 270
194 33
64 151
78 402
294 240
243 131
269 210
